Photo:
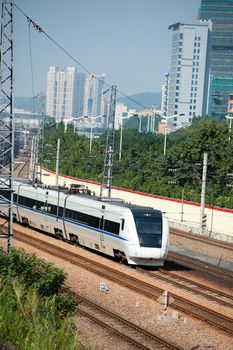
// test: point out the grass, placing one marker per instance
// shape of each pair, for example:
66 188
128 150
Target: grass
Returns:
30 319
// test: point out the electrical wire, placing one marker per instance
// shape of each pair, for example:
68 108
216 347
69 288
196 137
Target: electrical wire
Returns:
32 73
29 101
41 30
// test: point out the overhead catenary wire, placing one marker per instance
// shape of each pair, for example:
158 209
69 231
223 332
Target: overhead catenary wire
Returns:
32 72
41 30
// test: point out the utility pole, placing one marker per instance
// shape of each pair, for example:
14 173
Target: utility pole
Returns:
41 132
148 124
57 161
35 164
203 189
140 124
6 120
31 160
230 117
109 147
121 136
182 205
165 139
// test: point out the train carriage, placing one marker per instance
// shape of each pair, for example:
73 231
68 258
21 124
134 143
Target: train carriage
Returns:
135 234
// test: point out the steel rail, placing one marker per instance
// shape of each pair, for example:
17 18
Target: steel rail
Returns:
181 304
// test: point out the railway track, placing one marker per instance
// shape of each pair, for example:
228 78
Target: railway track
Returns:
136 336
181 304
199 238
216 295
21 167
198 265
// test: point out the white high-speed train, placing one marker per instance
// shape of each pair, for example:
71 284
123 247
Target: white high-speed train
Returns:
135 234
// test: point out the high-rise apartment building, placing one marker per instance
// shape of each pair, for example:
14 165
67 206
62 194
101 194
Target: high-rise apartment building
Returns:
72 94
220 12
81 78
189 72
165 89
61 102
93 88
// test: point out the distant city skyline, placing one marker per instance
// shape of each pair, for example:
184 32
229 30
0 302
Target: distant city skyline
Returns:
128 40
73 94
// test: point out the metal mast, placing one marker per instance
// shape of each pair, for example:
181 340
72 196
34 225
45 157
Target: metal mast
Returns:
109 146
6 120
41 133
203 190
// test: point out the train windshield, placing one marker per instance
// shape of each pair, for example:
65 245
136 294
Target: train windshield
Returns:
149 228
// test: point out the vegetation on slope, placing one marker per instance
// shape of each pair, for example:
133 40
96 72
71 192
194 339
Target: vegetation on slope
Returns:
144 167
34 315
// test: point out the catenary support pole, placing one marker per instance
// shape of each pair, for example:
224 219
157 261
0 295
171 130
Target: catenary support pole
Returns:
203 190
7 120
57 161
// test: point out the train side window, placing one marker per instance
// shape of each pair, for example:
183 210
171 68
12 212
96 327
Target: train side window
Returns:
60 211
83 218
6 194
67 213
111 226
122 224
27 202
53 209
40 205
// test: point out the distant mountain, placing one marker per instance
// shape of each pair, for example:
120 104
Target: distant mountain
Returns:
147 99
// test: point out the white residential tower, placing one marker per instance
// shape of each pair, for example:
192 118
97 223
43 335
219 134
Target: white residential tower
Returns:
189 72
61 102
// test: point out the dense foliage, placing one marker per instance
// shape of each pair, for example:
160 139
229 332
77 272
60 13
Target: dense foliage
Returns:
144 167
34 315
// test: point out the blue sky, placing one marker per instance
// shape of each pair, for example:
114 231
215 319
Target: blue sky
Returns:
128 40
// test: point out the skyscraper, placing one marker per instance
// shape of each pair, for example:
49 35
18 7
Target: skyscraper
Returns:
81 78
61 91
189 73
73 94
93 88
220 12
165 89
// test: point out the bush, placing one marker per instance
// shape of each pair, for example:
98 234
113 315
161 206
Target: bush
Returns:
42 317
32 271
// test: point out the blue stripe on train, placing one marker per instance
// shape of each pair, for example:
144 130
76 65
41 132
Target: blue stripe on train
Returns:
74 223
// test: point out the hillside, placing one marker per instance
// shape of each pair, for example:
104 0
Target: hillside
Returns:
147 99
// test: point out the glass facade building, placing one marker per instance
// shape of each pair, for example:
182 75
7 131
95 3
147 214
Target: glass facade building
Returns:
220 12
